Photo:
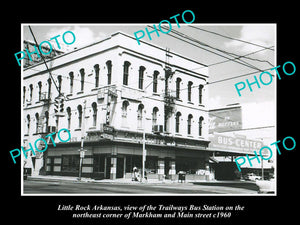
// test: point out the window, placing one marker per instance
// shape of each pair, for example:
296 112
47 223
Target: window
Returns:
189 124
81 79
109 66
24 94
155 76
200 93
70 163
40 89
94 106
97 69
59 79
124 113
69 117
37 120
49 87
154 116
71 75
141 77
190 84
79 108
200 125
125 72
178 81
140 115
99 163
30 92
46 122
177 122
28 124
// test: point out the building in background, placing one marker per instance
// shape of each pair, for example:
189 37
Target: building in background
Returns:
30 46
108 94
230 138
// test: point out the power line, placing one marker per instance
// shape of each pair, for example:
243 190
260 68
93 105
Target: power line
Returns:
44 60
247 42
201 43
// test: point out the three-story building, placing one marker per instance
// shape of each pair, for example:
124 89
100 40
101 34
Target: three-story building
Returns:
113 91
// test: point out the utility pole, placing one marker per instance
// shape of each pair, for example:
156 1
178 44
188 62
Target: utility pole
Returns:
81 150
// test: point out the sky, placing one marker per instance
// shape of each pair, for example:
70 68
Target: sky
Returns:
261 102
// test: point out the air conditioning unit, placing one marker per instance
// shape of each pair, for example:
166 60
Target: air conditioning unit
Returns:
158 129
51 129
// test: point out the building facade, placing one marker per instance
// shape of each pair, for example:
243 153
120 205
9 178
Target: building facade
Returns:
113 91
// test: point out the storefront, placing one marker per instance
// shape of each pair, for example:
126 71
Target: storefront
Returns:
116 158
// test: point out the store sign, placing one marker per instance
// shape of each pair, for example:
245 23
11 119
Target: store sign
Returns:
226 119
239 143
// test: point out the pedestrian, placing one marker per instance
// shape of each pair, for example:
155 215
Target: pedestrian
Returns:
134 174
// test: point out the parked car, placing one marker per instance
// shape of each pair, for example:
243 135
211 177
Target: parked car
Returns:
266 186
252 177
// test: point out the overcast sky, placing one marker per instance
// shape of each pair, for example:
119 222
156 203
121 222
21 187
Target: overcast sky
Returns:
221 93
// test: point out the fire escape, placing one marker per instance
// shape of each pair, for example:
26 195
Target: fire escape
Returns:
169 99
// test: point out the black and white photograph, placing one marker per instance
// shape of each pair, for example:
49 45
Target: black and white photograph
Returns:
164 114
175 112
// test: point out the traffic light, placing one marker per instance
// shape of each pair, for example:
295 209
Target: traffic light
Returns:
59 104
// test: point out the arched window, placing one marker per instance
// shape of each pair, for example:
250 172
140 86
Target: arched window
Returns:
200 125
178 81
59 79
190 84
124 113
154 116
177 122
28 124
141 77
81 79
140 116
94 106
69 113
40 89
200 93
189 124
46 122
126 72
24 94
79 108
97 69
30 92
37 119
71 75
109 67
155 76
49 87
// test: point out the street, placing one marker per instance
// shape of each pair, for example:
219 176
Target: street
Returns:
75 187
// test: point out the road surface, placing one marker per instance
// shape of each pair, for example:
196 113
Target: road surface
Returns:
75 187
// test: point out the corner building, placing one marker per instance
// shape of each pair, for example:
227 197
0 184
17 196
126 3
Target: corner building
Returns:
113 91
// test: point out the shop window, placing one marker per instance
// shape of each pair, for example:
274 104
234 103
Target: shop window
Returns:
70 163
99 163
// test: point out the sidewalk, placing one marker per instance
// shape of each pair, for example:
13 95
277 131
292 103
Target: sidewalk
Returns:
83 179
